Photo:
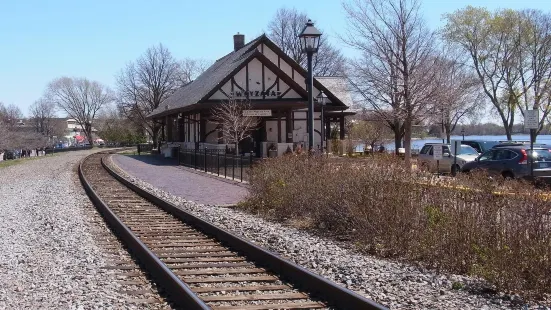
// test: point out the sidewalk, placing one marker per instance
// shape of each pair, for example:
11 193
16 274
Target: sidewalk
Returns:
164 174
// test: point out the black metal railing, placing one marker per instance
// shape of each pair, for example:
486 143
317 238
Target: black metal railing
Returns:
144 147
50 150
218 162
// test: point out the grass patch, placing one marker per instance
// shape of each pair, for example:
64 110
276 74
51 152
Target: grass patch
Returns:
13 162
390 211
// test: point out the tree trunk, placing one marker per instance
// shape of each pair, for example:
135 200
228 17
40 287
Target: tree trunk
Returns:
237 149
448 130
155 136
508 131
88 134
407 141
397 139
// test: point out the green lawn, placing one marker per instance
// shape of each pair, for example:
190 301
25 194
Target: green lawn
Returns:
13 162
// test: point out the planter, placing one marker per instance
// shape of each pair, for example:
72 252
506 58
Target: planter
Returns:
272 154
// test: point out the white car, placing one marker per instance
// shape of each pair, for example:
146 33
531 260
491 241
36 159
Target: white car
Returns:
449 162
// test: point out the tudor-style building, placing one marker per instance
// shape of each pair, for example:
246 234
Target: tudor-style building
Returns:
261 72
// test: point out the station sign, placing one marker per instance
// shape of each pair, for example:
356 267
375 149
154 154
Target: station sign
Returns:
257 112
531 119
437 151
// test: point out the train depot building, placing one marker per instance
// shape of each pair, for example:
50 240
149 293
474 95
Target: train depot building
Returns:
262 73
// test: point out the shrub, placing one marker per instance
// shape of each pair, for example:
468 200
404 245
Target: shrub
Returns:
470 225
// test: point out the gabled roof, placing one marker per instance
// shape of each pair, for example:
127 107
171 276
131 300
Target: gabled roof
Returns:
338 86
216 75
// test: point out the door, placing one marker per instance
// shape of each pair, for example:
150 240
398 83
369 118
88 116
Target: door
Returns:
447 161
424 157
251 144
485 161
501 162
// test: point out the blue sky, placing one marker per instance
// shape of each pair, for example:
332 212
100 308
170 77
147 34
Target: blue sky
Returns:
41 40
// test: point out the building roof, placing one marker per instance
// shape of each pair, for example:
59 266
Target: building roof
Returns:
215 76
196 90
338 86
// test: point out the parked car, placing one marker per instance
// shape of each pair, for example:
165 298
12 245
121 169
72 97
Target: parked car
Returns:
480 146
526 144
10 154
511 161
448 164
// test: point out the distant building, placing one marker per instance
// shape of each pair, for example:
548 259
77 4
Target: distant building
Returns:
69 132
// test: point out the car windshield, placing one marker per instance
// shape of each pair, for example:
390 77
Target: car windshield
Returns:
541 155
467 150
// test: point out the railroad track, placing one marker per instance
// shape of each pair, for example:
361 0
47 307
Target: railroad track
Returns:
198 265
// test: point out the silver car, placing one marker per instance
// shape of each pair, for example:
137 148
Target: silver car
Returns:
449 162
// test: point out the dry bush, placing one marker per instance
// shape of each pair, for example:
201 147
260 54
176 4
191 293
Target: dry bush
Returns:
471 225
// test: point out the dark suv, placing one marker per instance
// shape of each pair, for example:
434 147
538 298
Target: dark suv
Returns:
9 154
512 162
480 146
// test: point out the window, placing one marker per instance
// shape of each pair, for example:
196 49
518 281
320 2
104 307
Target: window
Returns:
467 150
445 149
430 151
541 155
473 145
425 149
503 155
486 156
489 144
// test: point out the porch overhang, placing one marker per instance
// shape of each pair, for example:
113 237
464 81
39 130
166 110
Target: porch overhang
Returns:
259 105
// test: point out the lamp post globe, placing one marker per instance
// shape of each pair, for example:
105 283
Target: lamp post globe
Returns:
309 42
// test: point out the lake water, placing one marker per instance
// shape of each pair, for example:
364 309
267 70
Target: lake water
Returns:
418 143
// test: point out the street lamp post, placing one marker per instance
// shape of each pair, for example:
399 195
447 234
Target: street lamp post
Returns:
463 133
321 101
309 41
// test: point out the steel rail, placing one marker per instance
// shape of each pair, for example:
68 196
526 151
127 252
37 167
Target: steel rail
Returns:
335 295
178 292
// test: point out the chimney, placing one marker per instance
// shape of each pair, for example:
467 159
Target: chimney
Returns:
238 41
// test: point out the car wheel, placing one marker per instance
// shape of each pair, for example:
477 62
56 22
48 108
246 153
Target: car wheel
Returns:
455 170
507 175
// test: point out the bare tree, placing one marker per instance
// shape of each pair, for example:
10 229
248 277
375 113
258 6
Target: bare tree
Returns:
5 137
235 126
370 130
284 29
459 93
3 112
80 98
190 69
115 128
41 113
395 71
145 84
10 114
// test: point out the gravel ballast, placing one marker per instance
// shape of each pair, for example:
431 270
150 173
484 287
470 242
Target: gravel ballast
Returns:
48 256
393 284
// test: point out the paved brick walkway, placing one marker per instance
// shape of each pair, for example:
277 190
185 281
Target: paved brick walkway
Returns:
164 174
